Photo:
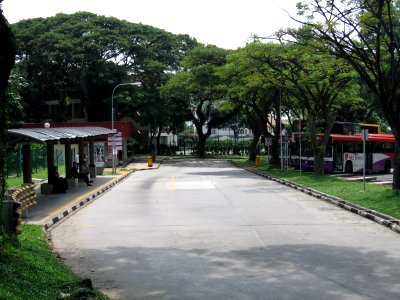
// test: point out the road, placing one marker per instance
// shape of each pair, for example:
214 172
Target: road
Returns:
207 230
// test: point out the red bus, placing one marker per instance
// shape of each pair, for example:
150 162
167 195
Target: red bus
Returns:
344 153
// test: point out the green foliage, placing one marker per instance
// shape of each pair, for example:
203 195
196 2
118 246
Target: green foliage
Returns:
7 59
13 182
366 35
33 272
85 56
200 92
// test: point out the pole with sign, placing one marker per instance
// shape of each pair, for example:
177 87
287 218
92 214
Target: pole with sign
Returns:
364 137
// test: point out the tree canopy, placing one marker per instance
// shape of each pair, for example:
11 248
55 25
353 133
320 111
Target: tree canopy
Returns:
7 59
365 33
201 92
84 56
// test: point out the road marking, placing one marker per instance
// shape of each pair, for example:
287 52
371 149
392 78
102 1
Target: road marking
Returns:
190 185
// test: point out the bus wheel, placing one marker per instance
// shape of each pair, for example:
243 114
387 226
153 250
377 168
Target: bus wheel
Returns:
349 167
388 166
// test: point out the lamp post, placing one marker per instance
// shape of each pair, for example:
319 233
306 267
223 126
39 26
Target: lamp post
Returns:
112 120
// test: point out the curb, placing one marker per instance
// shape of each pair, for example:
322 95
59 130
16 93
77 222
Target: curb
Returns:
380 218
83 202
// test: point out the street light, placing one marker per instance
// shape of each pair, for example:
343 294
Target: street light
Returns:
112 120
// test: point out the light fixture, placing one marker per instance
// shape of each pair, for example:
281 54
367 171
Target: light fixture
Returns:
112 120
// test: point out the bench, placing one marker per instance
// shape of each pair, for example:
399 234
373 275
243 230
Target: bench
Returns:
46 188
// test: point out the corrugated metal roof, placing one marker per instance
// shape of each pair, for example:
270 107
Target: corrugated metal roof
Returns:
59 133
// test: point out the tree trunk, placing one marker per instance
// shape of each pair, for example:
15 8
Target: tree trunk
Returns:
7 59
396 167
275 151
201 146
254 143
158 139
394 125
316 145
319 154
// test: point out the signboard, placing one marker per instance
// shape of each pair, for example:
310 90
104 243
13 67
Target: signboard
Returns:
115 141
364 135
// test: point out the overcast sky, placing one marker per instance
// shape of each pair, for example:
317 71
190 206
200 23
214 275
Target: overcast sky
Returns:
226 23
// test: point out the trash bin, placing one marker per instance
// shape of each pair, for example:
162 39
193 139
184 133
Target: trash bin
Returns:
149 161
258 161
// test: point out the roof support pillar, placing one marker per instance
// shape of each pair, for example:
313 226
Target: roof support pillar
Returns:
68 158
91 150
50 161
27 163
81 153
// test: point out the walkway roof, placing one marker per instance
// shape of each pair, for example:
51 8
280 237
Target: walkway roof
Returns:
40 135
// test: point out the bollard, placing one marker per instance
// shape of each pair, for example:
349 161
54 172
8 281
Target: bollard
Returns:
258 161
149 161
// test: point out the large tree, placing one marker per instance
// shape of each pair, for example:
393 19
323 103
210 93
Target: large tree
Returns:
259 88
317 80
366 34
85 56
201 92
7 59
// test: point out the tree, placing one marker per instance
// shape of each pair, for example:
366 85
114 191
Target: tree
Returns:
85 56
366 34
200 91
7 59
256 84
316 79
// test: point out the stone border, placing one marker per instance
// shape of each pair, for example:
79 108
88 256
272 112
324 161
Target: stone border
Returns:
380 218
83 202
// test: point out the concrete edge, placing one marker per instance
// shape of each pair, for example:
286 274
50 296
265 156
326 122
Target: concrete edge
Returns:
83 202
377 217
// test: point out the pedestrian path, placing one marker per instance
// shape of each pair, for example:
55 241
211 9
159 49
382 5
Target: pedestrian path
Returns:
51 208
49 205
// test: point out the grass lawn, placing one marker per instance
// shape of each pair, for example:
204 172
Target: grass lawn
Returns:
13 182
33 272
122 171
376 197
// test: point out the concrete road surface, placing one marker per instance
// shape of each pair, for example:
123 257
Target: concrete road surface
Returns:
203 229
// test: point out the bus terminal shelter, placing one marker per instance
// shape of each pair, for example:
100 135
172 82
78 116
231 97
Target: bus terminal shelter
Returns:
51 136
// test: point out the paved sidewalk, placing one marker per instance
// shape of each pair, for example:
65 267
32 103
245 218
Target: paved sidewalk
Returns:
52 204
52 208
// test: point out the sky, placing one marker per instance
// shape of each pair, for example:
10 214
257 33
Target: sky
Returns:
227 24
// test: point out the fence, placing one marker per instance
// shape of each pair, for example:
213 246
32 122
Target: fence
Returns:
39 160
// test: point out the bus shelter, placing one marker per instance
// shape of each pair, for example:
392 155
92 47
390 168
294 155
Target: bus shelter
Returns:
50 136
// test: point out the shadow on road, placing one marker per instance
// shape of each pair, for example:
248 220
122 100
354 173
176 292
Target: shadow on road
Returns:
291 271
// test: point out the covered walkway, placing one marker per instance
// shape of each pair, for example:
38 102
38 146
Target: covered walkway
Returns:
50 136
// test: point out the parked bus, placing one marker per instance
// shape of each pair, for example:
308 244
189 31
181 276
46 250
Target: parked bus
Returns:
344 152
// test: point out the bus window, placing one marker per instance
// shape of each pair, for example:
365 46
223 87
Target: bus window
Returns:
388 147
379 147
358 147
348 147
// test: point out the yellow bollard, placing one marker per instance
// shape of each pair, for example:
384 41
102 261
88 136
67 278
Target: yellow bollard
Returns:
258 161
149 161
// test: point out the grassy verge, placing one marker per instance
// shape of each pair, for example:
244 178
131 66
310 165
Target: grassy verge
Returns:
376 197
122 171
13 182
33 272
